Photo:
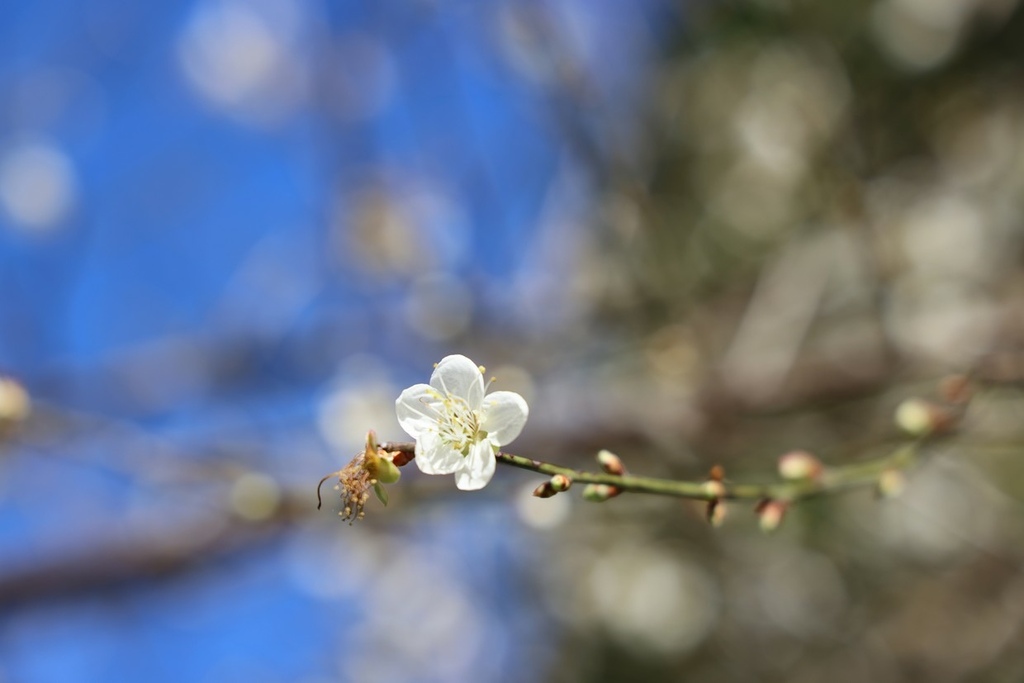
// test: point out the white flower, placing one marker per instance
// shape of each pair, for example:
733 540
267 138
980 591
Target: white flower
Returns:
457 429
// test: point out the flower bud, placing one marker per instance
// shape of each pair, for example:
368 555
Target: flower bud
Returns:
714 489
918 417
716 512
560 483
891 483
598 493
798 465
611 463
914 417
545 490
770 513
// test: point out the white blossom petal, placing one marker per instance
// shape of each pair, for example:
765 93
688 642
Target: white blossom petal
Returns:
418 409
478 467
459 376
435 457
504 413
457 430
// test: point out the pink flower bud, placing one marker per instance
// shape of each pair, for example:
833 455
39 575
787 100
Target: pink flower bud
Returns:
918 417
714 489
716 512
560 483
797 465
598 493
770 514
545 490
611 463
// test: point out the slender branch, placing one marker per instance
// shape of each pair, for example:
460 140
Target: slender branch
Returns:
856 475
801 474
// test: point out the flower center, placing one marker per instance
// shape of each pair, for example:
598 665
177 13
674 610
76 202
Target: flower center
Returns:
458 425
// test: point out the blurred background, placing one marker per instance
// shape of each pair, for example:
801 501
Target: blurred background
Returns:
695 233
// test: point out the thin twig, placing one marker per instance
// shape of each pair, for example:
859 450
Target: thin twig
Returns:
855 475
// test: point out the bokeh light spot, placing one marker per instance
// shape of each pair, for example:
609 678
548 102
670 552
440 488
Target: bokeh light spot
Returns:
37 185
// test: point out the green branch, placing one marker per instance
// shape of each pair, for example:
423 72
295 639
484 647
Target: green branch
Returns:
801 474
867 473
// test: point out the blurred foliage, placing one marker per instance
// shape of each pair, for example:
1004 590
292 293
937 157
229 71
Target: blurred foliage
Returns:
820 214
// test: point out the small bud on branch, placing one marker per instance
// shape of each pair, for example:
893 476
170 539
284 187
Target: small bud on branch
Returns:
560 483
598 493
715 512
918 417
714 489
770 514
611 463
797 465
545 490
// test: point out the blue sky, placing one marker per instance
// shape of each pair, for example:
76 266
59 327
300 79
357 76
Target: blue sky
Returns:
208 208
